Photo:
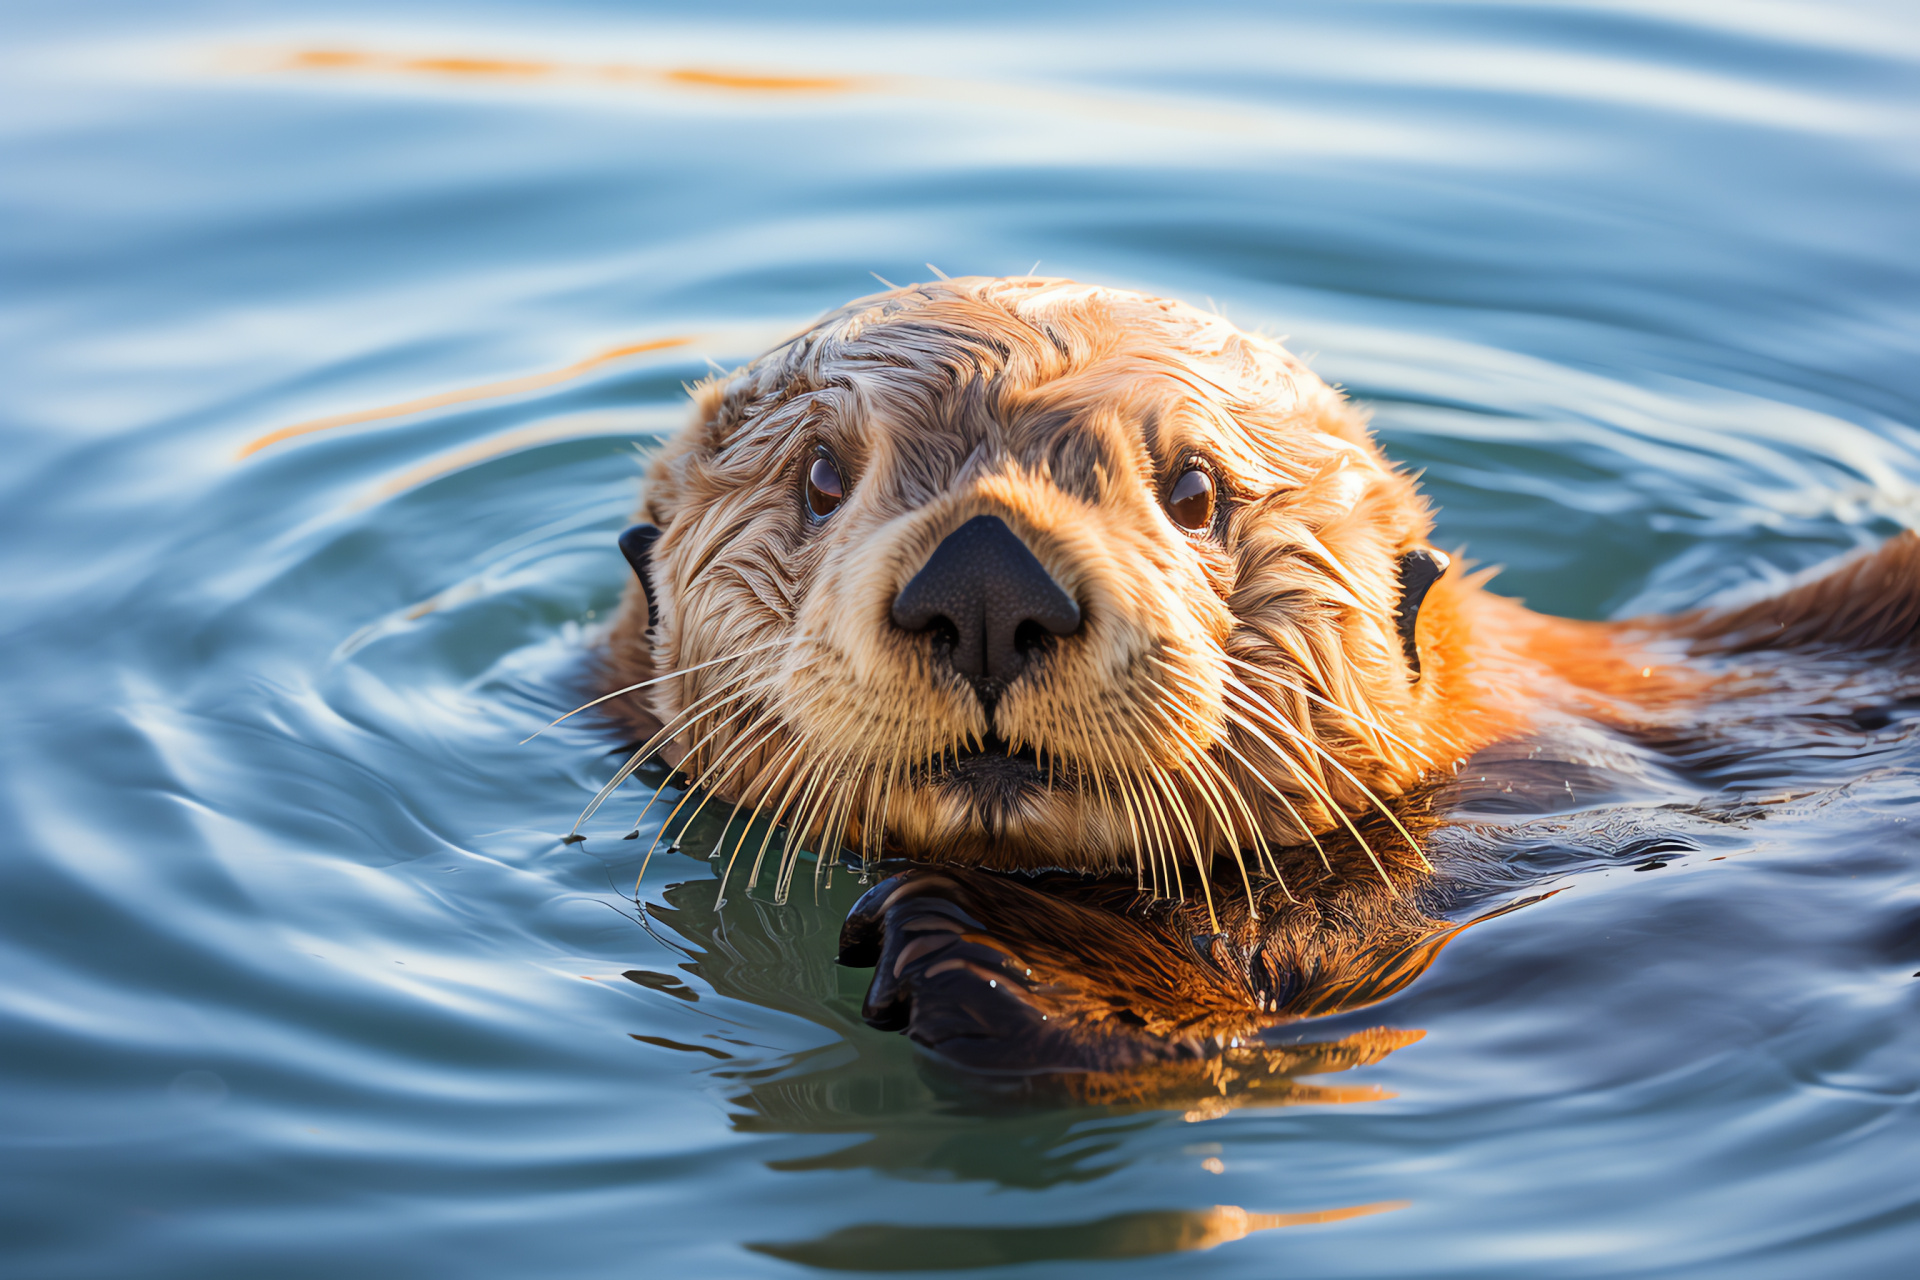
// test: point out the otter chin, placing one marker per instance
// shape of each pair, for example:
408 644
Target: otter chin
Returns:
1026 574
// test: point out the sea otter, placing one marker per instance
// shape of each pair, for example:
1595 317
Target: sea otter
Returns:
1115 624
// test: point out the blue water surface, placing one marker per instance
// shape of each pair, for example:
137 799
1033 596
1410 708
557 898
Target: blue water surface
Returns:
327 334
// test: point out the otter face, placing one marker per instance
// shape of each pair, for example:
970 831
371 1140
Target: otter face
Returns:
1024 573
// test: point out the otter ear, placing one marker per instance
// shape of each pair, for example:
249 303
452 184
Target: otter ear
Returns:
636 544
1419 570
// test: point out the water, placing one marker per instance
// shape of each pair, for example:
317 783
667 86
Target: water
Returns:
299 980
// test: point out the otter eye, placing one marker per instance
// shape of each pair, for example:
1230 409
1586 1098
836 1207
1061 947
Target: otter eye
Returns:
825 490
1191 501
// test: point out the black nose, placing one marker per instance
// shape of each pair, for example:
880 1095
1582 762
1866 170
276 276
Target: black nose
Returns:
990 604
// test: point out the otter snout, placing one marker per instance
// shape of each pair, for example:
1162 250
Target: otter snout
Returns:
989 603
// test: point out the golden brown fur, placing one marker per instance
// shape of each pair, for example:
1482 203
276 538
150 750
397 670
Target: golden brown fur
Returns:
1234 695
1225 695
1235 728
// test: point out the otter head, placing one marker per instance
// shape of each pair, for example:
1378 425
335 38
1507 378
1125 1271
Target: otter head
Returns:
1025 573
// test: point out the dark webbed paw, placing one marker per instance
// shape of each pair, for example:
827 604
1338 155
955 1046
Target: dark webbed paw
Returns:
964 965
939 976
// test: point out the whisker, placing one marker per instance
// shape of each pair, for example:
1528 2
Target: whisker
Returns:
844 813
1142 830
771 680
1216 800
666 734
886 809
1100 786
1259 775
647 684
822 812
1224 785
1160 836
772 724
786 760
833 832
801 774
1338 810
878 782
1313 785
1333 705
1225 781
692 788
1278 722
804 812
1316 788
1163 820
1185 819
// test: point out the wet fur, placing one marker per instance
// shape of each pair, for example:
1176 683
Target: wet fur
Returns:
1062 409
1222 731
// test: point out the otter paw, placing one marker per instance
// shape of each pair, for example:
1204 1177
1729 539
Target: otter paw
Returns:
940 976
943 978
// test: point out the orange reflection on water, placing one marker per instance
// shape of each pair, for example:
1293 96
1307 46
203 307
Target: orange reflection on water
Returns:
881 1247
364 62
572 427
1161 113
1254 1074
461 395
775 84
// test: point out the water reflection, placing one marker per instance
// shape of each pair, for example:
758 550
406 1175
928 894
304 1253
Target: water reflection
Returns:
1123 1235
914 1113
368 62
460 395
1049 1001
1267 125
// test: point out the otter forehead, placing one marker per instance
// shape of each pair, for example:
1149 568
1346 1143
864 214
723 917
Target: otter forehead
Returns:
1084 384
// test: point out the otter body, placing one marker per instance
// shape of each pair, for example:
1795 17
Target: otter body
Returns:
1030 576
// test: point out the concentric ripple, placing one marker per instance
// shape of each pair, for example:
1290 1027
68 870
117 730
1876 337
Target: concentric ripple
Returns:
330 338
